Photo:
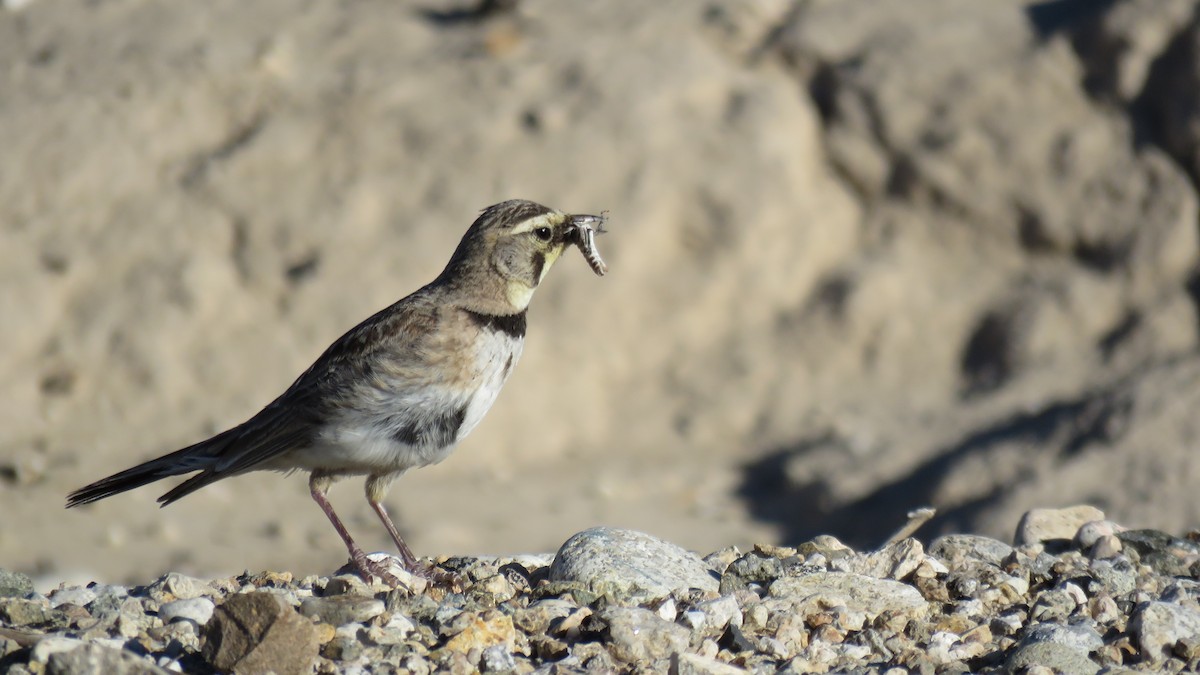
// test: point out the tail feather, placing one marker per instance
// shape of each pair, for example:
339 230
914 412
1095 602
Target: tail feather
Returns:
187 487
196 457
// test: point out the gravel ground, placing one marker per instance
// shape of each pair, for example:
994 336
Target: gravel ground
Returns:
1074 594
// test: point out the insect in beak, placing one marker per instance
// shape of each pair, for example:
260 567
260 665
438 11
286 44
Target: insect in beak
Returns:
584 230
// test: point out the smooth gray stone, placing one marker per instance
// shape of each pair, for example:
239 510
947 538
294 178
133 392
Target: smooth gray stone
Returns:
199 610
1062 659
630 565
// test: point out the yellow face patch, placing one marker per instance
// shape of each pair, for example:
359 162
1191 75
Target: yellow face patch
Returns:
519 292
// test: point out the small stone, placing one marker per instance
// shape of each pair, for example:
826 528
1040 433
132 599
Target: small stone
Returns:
719 561
981 634
96 658
570 625
325 633
894 561
956 548
496 659
488 630
715 615
199 610
827 545
1103 609
1052 605
14 584
1165 554
773 551
752 568
80 597
342 648
346 584
20 612
1107 546
693 664
861 594
537 617
1007 624
1059 659
52 645
631 565
176 586
666 609
497 588
271 579
638 636
1081 638
257 632
1090 532
1115 577
339 610
1043 525
940 645
1160 625
399 625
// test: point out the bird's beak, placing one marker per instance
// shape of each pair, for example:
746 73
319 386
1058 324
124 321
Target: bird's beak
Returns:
584 229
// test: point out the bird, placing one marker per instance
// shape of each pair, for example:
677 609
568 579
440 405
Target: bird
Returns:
399 390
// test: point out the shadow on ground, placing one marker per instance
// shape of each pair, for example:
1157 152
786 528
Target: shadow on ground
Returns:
1023 443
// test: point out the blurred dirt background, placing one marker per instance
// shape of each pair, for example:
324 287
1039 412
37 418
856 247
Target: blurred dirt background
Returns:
866 255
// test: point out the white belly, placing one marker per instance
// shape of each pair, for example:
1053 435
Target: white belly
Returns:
371 440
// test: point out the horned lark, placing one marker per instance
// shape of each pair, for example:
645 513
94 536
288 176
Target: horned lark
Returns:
400 389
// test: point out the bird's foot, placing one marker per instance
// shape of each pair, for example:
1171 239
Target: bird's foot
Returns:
436 575
380 569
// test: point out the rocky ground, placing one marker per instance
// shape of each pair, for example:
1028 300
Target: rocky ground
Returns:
1076 595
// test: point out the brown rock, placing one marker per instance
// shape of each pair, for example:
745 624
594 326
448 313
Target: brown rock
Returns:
258 633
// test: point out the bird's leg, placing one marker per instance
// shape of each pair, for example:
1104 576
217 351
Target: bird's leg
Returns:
318 485
376 488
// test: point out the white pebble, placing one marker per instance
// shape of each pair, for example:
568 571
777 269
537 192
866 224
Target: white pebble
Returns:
72 596
199 610
52 645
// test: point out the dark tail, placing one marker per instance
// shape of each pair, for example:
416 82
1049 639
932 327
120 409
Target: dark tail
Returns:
196 457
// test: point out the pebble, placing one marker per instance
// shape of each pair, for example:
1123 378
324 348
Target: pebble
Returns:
199 610
488 630
1082 638
640 636
1093 530
1160 626
78 596
858 594
176 586
339 610
633 565
958 548
895 561
1166 554
14 584
52 645
95 658
694 664
1107 546
1057 658
1043 525
497 659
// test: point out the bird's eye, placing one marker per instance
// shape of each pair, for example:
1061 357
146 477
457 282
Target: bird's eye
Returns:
543 233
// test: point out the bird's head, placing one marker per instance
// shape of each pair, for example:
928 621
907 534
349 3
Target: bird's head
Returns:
511 246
